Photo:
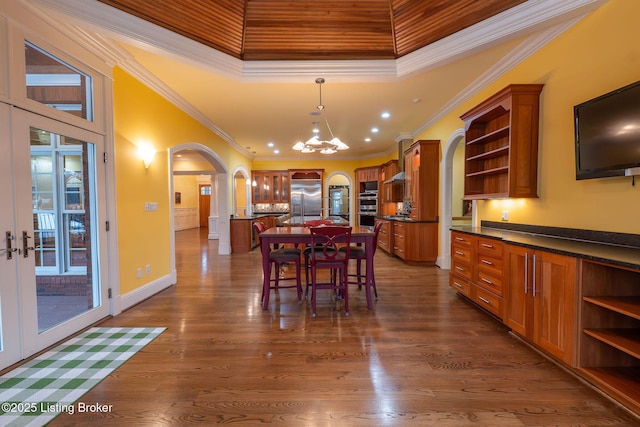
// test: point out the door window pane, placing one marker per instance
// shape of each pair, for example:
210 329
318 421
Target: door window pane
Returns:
52 82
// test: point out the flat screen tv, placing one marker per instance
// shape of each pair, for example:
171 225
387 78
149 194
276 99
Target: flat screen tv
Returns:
607 133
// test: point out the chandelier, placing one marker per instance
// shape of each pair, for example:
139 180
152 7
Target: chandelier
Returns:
314 143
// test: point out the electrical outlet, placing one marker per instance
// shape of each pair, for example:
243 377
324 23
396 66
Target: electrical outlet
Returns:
139 273
147 269
505 215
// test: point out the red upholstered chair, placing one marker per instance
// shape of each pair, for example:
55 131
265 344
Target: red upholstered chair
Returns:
325 241
358 253
277 257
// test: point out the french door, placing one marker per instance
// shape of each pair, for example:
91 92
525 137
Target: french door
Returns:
52 245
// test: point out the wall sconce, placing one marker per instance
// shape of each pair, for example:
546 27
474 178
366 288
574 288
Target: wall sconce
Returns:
146 152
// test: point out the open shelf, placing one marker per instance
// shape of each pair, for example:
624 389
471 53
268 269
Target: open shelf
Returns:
503 124
629 306
626 340
610 323
490 136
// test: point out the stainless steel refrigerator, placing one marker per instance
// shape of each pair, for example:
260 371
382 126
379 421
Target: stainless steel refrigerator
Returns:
305 200
339 200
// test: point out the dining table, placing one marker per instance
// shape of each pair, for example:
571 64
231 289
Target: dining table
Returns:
298 235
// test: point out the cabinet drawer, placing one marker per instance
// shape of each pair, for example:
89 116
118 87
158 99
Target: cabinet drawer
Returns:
490 264
490 247
488 301
462 239
459 285
461 268
487 281
462 252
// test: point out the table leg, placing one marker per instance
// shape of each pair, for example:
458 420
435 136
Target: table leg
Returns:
368 250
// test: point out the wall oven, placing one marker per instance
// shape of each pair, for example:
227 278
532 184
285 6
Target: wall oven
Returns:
368 207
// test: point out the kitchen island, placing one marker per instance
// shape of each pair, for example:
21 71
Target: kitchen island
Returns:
242 235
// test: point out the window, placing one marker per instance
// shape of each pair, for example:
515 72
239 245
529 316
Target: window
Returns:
56 84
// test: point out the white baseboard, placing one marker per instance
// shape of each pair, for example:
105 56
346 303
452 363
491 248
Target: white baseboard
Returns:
136 296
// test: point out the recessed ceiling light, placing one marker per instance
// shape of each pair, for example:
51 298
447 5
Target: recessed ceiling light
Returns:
316 130
417 100
385 115
367 140
269 144
374 130
276 151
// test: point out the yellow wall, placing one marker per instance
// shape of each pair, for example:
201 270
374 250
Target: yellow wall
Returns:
597 55
142 115
187 186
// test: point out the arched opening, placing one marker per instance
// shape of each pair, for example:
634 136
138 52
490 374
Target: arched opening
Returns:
339 196
218 222
452 179
241 192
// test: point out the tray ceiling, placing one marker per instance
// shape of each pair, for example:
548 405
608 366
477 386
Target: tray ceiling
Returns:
314 29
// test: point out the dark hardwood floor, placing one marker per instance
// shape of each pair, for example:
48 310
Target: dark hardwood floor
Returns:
423 356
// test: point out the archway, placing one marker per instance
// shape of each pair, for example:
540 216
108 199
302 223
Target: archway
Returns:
340 176
219 203
446 199
241 197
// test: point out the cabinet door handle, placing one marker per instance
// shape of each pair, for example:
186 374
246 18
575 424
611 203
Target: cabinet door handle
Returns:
486 245
526 271
458 285
534 279
485 300
486 262
459 268
487 281
460 239
459 253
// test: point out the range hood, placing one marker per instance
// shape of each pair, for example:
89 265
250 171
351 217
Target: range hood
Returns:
395 179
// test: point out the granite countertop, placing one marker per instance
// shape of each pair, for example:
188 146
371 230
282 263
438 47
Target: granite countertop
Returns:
624 256
399 218
256 215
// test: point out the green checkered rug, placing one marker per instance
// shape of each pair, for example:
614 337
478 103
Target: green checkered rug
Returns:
36 392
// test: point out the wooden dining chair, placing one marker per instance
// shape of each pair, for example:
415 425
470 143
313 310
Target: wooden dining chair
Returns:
306 252
359 254
326 241
278 257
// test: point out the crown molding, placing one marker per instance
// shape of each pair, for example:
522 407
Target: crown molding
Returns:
528 17
510 60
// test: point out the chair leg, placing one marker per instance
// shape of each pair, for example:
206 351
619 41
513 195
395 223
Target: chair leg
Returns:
344 274
277 275
359 272
298 282
313 291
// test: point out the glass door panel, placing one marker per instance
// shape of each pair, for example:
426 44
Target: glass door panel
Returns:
57 207
62 235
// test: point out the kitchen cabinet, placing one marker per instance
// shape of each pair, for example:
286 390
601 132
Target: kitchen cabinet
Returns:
422 169
391 192
541 299
241 234
368 174
501 144
609 333
477 271
384 236
415 242
270 186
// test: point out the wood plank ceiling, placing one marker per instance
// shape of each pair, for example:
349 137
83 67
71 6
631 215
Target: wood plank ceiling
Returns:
314 29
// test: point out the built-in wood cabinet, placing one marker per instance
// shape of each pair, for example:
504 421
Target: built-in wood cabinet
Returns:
415 242
477 271
422 168
391 192
541 299
270 186
384 235
609 340
368 174
501 151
